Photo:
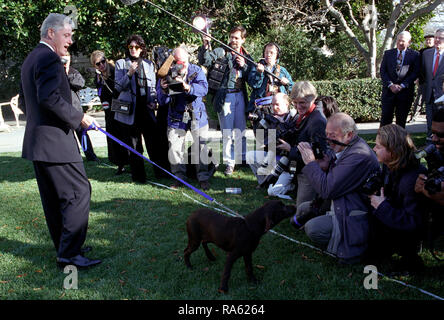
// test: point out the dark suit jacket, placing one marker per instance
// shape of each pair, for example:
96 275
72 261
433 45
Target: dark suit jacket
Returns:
433 84
45 98
409 73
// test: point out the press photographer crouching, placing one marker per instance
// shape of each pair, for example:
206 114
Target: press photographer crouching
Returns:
343 230
397 218
308 126
431 184
186 111
275 116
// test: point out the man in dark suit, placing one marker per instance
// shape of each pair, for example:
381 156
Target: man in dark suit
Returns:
432 72
399 70
49 142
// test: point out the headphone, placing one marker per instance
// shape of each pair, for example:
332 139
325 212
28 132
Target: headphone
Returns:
272 44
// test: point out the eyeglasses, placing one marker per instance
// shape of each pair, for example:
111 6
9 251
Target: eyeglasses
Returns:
103 61
439 38
133 47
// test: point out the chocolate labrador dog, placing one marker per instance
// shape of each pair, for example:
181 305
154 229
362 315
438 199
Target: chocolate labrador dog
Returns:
239 237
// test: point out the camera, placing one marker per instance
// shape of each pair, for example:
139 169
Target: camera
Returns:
174 86
373 183
435 160
434 180
281 166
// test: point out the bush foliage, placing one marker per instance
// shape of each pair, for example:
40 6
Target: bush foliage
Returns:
360 98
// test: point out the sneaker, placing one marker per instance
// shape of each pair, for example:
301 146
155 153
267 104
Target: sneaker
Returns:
229 170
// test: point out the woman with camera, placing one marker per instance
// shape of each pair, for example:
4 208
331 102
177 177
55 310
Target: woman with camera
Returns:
104 81
309 126
136 83
395 223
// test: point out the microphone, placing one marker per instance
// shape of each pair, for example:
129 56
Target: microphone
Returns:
129 2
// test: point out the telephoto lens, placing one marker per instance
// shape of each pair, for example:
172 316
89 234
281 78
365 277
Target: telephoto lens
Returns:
281 166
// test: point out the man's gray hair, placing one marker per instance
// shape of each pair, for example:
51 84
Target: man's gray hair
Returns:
182 49
55 21
345 122
406 34
440 30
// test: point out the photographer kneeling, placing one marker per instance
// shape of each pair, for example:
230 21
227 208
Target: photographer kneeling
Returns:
343 230
259 160
396 220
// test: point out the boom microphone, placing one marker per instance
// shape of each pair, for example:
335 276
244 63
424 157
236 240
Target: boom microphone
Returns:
131 2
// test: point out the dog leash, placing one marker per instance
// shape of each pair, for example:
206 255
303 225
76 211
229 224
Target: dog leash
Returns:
84 147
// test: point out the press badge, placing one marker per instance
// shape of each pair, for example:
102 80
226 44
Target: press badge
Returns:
186 117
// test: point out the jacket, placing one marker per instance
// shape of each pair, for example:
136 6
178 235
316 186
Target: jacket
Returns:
199 88
45 99
403 208
126 86
207 58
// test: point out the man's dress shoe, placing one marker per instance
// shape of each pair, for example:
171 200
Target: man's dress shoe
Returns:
79 261
84 250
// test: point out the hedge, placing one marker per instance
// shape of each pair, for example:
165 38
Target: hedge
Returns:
360 98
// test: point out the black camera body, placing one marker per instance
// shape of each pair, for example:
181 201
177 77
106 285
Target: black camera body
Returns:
435 163
434 180
174 86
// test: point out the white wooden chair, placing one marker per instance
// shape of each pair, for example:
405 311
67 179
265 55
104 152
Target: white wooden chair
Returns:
17 112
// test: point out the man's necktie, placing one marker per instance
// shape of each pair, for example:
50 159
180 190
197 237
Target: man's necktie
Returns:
399 62
435 68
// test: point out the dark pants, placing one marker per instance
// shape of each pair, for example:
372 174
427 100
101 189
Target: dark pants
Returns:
398 104
148 127
65 193
116 153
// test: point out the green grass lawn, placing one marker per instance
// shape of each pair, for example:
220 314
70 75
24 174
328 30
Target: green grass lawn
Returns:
139 232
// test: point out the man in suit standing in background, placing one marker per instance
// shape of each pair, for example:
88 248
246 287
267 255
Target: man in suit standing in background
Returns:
49 142
399 70
432 71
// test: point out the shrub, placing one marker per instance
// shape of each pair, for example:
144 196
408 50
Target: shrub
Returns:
360 98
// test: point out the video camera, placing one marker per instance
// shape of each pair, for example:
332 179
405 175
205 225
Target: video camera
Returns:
435 162
168 69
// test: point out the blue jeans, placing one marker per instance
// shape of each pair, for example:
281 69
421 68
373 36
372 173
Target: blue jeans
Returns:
232 123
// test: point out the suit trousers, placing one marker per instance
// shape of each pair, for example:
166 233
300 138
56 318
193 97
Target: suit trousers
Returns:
65 193
398 104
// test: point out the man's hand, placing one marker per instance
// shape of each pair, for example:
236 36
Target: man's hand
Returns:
206 41
260 68
284 145
284 81
306 152
87 120
163 83
240 61
395 88
375 200
324 163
